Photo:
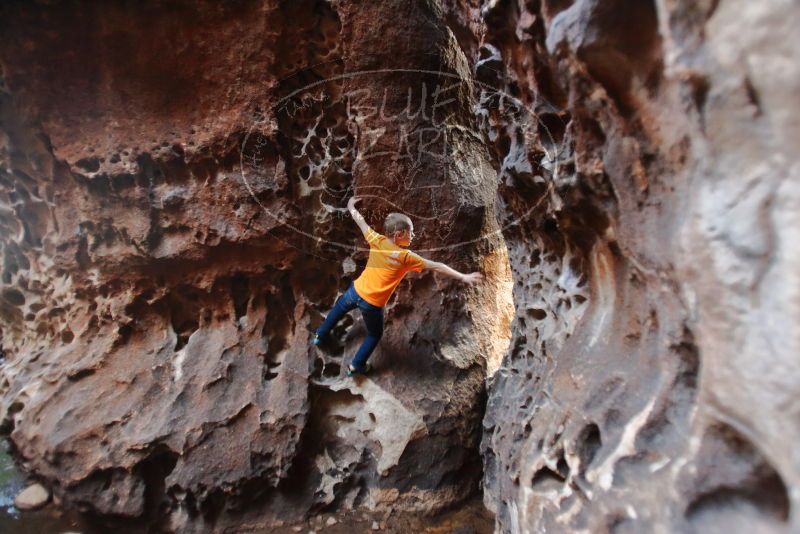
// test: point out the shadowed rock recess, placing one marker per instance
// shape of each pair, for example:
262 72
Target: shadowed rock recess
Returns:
624 173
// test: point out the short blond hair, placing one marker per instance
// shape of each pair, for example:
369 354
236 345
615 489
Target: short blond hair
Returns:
396 222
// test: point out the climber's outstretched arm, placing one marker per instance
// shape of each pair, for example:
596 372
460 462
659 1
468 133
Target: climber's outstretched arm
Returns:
471 278
357 217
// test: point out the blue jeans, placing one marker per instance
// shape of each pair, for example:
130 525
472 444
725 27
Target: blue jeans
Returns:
373 319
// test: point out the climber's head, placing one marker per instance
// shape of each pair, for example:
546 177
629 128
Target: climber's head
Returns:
399 228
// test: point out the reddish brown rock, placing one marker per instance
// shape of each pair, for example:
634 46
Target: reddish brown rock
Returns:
172 179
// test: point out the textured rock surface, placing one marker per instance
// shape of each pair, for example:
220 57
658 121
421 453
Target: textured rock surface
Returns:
171 184
653 371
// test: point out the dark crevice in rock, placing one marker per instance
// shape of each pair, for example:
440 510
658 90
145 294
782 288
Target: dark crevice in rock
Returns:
240 293
588 442
154 471
752 96
748 485
184 313
545 479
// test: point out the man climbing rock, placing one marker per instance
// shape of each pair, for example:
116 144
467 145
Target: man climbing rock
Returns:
388 262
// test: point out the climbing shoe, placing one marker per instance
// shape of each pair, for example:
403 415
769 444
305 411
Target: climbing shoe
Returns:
356 371
323 342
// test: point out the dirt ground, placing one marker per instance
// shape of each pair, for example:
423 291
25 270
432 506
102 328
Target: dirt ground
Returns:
471 518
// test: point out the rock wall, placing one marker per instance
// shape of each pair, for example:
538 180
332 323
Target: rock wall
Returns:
653 366
173 189
172 184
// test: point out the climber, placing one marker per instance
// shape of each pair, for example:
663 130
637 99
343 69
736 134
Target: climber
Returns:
388 263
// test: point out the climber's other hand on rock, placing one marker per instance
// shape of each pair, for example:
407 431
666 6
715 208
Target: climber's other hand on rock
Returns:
472 278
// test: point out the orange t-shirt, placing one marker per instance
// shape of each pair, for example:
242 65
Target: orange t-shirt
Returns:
386 267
